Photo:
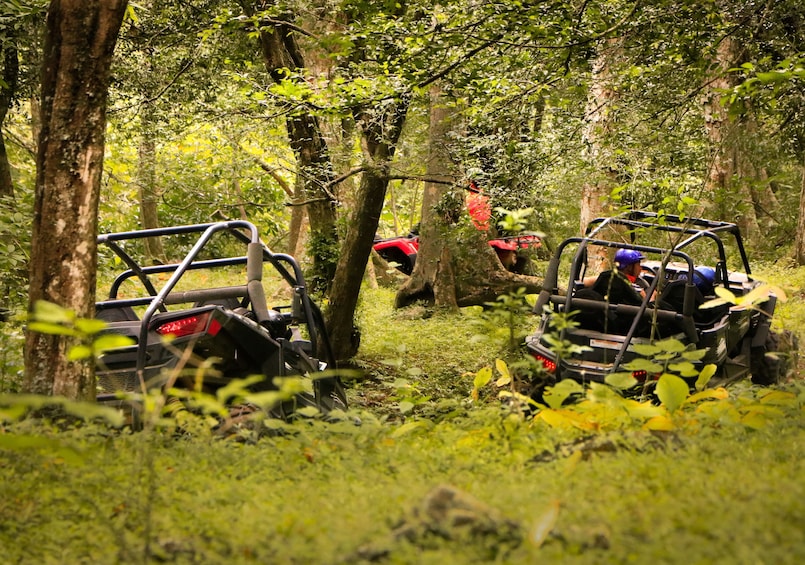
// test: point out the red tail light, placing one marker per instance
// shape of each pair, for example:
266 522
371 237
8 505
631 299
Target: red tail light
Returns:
640 376
190 326
548 364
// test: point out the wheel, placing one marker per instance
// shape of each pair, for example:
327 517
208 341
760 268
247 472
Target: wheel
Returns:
328 392
771 362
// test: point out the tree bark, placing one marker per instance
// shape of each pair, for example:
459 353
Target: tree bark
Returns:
8 87
439 277
730 194
280 53
81 36
598 127
799 250
147 182
433 278
379 135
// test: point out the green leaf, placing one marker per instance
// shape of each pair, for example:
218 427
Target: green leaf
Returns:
503 369
51 328
308 411
672 391
685 369
555 395
671 345
622 381
705 375
482 377
694 354
643 365
79 352
49 312
89 326
645 349
111 341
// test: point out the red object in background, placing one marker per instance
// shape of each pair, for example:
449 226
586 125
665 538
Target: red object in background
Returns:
403 250
480 210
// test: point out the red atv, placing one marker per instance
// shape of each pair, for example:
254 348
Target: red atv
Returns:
402 250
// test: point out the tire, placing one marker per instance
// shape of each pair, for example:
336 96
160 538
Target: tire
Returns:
328 393
404 263
771 362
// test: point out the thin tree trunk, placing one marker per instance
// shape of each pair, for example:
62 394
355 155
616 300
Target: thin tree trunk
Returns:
280 53
379 134
598 127
297 231
730 194
81 36
147 182
799 251
8 87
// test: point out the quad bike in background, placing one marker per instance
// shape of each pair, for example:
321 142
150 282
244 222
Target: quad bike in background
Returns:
184 329
511 250
612 319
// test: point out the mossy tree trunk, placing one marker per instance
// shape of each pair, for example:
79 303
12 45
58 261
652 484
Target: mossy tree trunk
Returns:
440 277
433 278
147 183
379 135
281 53
81 36
8 84
799 251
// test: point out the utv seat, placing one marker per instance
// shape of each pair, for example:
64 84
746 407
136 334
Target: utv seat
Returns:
616 289
117 314
590 318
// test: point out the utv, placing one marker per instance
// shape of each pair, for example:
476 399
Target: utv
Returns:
609 318
185 332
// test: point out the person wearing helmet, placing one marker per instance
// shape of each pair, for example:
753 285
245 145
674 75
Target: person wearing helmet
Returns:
629 271
629 264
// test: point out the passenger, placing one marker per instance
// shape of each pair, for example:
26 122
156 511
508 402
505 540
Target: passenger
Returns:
704 278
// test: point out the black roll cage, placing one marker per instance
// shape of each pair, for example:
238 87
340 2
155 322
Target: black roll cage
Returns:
302 308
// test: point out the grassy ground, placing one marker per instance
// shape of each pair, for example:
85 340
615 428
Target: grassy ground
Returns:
429 476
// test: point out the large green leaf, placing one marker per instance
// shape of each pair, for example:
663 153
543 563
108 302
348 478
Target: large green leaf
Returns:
672 391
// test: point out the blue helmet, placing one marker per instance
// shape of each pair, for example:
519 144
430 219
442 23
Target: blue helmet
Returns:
626 257
703 278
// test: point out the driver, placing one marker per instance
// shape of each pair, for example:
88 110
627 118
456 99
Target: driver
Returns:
629 264
629 271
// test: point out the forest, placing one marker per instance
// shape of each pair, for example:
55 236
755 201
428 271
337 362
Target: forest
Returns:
409 421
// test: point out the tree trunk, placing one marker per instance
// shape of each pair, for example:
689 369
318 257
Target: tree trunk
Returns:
439 277
598 127
281 52
81 36
799 251
379 134
8 87
297 231
730 194
147 182
433 278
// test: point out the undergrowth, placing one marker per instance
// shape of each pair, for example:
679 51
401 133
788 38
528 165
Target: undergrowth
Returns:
426 468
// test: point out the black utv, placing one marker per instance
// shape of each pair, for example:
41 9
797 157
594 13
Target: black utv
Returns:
204 320
685 261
